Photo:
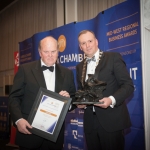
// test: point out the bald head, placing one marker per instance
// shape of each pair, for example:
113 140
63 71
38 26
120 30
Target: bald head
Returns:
48 50
47 40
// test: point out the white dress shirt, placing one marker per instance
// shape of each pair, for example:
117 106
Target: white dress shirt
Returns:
49 78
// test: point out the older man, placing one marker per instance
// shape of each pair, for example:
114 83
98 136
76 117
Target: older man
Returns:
29 78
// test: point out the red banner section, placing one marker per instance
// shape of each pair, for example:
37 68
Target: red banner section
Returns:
16 61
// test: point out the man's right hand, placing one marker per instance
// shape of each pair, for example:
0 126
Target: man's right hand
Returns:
22 125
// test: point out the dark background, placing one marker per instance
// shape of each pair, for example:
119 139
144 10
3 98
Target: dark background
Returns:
5 3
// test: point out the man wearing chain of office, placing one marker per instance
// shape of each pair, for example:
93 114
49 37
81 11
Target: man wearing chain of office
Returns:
104 122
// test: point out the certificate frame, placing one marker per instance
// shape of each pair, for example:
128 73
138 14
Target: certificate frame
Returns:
65 101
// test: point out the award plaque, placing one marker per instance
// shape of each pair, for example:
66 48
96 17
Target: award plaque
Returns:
92 91
48 113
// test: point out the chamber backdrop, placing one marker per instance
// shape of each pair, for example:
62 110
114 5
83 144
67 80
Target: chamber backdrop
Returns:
118 30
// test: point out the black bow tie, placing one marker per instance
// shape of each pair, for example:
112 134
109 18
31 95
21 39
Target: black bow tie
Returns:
51 68
88 60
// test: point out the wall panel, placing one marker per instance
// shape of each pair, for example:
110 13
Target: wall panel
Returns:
18 22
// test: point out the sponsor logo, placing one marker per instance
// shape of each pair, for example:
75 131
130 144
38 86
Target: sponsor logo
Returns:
74 133
76 122
62 43
81 112
17 59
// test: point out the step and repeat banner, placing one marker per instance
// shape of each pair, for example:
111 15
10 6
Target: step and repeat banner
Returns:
118 30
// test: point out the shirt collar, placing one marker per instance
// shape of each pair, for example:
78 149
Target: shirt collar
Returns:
96 55
43 64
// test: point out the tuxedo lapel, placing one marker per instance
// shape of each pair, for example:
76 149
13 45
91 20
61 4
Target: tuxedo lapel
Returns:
38 74
59 78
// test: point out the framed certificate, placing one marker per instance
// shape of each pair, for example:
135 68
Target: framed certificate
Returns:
48 113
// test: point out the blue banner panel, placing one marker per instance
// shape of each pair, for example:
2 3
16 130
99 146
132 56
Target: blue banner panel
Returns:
120 30
135 135
135 140
26 51
74 136
135 105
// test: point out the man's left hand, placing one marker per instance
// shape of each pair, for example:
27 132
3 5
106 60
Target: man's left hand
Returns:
106 102
64 93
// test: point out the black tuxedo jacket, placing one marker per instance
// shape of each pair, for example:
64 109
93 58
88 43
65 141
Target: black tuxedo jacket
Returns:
27 82
112 70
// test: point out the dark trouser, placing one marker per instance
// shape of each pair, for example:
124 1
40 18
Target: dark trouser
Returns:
34 142
22 148
100 139
44 146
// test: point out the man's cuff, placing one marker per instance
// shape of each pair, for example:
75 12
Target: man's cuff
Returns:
17 121
113 101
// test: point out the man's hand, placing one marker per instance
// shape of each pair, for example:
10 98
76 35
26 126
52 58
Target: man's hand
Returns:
22 125
106 102
64 93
